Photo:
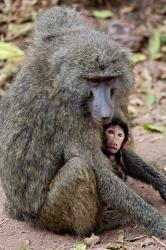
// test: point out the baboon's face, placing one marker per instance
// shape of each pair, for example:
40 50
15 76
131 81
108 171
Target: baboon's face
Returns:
103 73
114 137
101 103
96 71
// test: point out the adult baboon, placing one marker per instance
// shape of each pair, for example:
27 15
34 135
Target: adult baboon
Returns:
52 168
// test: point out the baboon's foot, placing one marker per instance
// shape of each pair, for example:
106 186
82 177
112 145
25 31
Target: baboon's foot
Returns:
111 219
13 211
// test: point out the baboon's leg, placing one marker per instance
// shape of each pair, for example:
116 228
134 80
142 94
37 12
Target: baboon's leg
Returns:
72 203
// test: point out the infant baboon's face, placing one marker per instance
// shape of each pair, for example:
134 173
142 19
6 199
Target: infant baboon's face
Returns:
114 138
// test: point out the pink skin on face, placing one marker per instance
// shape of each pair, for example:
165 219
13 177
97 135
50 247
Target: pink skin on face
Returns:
114 137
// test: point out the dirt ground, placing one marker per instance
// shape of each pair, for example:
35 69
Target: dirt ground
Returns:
16 235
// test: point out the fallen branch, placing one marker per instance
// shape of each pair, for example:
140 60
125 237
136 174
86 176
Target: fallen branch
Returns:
161 243
137 238
4 221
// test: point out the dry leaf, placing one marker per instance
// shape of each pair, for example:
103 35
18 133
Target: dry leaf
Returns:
127 9
16 30
24 248
150 100
11 53
136 102
81 246
154 43
102 14
154 128
115 246
137 57
7 72
121 238
132 111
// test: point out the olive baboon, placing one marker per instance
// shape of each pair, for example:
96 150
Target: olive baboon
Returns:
124 161
52 168
115 137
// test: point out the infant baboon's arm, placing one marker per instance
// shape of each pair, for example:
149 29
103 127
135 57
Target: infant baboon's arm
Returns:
136 167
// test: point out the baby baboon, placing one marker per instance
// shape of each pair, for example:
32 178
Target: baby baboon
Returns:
115 136
125 162
52 168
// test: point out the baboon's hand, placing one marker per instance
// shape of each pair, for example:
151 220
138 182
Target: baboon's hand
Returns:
162 189
160 185
162 192
158 229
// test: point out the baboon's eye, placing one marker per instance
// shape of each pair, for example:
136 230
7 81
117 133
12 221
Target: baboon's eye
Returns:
110 131
120 134
94 84
105 79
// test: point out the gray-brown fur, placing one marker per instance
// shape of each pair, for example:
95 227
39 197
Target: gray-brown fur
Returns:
46 129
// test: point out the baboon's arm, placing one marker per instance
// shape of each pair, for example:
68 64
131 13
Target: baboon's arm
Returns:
115 192
136 167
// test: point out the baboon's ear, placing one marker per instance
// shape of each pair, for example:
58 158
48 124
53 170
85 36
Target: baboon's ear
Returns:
126 53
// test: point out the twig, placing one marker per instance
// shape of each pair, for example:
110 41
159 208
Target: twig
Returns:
161 243
8 4
137 238
4 221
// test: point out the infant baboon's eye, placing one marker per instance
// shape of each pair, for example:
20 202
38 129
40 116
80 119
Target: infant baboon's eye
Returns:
110 132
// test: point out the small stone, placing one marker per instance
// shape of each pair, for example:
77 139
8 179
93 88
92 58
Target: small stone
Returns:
27 242
149 241
91 241
142 244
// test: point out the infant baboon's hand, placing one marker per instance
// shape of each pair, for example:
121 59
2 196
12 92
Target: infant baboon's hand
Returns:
162 192
162 188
